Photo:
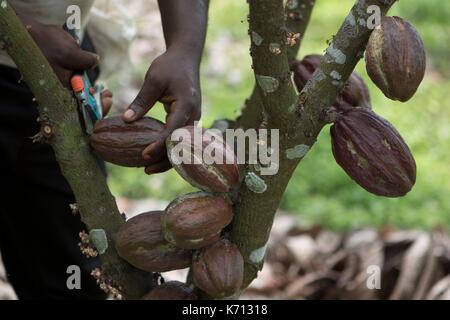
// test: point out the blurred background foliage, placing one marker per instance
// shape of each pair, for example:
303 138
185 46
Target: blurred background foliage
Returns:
320 192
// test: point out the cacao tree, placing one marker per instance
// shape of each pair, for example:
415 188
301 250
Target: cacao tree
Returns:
222 231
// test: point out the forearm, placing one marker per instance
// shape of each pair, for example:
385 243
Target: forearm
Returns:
29 22
184 24
26 19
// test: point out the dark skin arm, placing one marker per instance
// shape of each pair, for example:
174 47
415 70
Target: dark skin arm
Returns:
173 77
63 53
61 50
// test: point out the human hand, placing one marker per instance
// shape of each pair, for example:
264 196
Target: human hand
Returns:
172 79
107 101
61 50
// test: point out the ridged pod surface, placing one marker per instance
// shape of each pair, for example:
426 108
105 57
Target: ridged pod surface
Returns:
195 220
123 143
373 153
218 270
212 164
141 242
396 58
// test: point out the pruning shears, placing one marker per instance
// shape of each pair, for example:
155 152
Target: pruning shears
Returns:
87 95
89 101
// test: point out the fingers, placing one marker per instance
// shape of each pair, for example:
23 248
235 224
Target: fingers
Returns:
178 115
145 100
107 101
180 112
107 94
106 105
78 59
195 116
64 75
156 150
159 167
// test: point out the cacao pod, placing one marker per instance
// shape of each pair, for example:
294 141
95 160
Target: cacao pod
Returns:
123 143
195 220
218 270
395 58
172 290
354 94
373 153
203 159
303 69
141 242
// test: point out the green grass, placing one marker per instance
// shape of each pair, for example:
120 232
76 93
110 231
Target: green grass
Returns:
320 192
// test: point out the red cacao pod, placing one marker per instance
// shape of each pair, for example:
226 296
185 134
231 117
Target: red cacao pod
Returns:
354 94
172 290
218 270
195 220
141 242
203 159
396 58
373 153
123 143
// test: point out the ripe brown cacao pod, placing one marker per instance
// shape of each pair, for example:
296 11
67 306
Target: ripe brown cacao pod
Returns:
195 220
373 153
193 159
354 94
141 242
303 69
172 290
123 143
395 58
218 270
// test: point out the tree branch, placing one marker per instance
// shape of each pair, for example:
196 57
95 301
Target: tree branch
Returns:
297 16
300 124
59 116
270 62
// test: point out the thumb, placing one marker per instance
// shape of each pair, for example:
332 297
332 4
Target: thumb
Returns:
143 102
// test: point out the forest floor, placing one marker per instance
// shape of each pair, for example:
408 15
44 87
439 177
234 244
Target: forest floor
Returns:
311 262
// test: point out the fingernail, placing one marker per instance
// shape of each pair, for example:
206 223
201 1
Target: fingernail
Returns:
129 114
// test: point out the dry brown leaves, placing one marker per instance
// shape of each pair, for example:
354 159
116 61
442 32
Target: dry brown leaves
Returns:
313 263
